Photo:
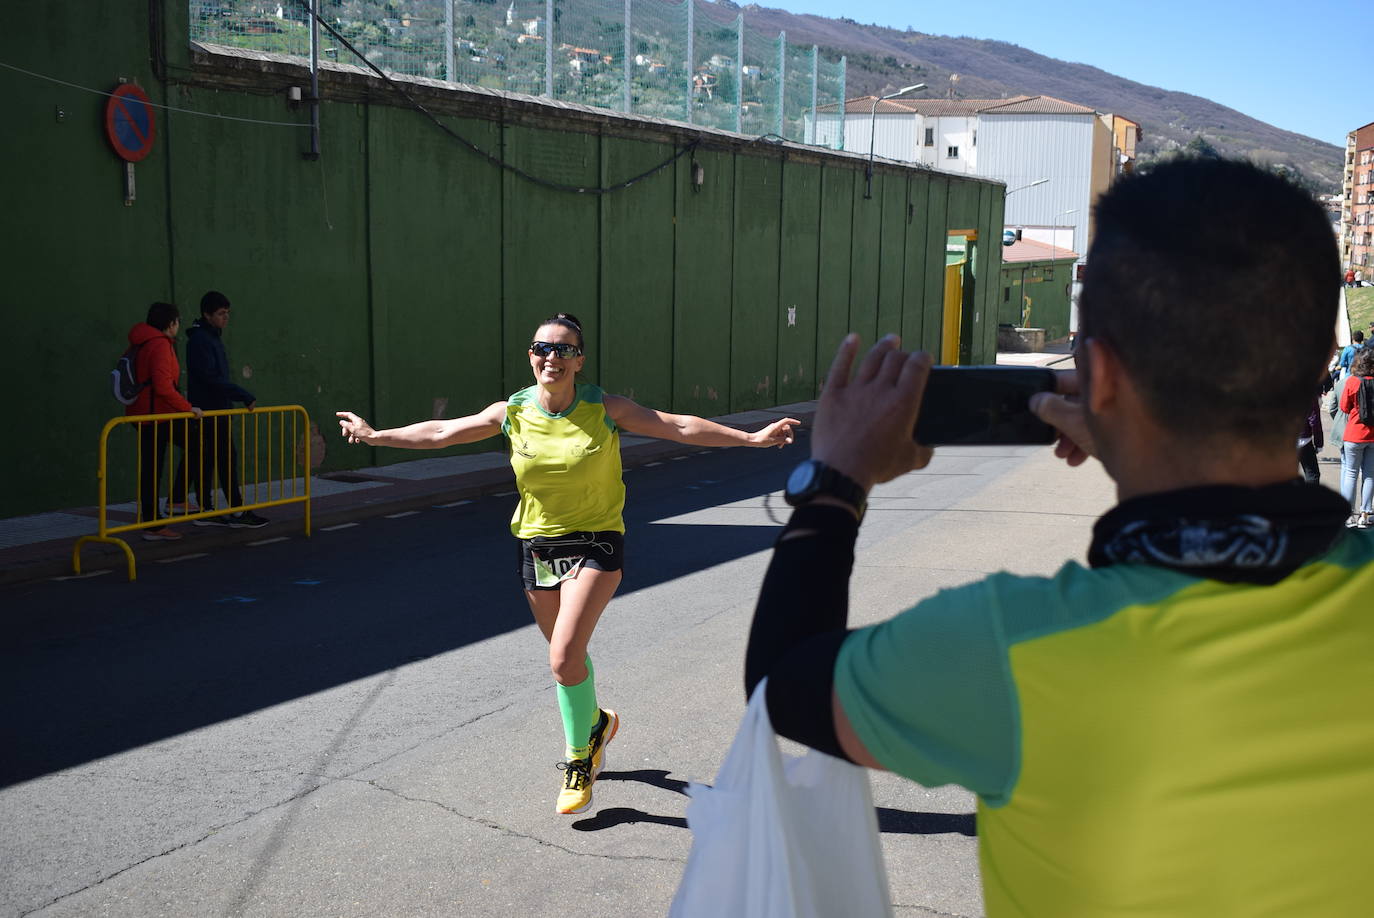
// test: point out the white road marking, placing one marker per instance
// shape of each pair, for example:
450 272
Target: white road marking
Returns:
267 541
397 516
340 526
199 554
82 576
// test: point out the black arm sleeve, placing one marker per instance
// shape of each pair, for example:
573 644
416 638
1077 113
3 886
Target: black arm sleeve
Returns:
799 624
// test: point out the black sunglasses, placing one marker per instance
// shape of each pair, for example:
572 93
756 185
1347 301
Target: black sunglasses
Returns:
562 350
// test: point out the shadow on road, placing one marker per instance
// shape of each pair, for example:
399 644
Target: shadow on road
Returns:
893 822
90 668
903 822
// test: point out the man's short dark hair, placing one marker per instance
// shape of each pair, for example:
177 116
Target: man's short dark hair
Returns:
213 302
1217 285
162 315
1357 337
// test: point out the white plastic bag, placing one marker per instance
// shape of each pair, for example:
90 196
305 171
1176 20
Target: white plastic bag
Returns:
781 836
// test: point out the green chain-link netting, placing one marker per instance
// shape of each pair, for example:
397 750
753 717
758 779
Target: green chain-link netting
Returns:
702 64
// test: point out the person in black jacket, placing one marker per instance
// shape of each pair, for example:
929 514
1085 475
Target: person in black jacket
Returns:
211 451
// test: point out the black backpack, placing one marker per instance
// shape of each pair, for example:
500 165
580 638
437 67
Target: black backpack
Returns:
125 383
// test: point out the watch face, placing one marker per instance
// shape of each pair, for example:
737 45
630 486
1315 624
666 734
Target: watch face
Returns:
802 479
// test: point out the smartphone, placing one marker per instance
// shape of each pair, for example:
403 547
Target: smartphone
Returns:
983 406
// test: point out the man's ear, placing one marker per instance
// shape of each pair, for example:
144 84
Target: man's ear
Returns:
1104 374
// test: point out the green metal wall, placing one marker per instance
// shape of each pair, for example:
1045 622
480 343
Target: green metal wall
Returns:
400 276
1049 296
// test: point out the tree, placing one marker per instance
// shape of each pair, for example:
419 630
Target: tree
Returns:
1201 148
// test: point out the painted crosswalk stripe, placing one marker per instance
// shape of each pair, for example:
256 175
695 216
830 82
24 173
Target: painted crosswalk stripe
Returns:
397 516
199 554
340 526
267 541
456 503
83 576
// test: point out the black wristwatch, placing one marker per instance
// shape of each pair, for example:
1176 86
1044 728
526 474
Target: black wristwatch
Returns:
812 479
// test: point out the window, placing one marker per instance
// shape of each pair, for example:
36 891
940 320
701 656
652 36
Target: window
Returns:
930 137
975 138
1006 294
1049 272
952 153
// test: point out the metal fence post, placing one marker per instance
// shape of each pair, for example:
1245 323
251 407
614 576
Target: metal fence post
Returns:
314 81
627 57
782 82
815 88
739 73
691 55
548 49
843 101
448 40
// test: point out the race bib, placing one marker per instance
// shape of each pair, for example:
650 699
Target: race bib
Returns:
554 571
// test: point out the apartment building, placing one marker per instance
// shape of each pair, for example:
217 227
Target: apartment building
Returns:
1357 201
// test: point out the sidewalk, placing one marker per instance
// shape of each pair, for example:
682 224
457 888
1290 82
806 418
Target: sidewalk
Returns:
40 546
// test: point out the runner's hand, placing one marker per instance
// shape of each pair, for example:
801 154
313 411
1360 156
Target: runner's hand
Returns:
1063 410
354 428
778 434
863 425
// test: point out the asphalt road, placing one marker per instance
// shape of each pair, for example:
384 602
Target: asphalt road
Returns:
364 724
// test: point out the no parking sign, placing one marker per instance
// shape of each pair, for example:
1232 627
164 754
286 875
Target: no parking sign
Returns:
129 122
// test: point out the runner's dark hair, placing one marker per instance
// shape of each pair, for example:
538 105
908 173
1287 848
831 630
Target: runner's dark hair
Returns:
1216 284
568 321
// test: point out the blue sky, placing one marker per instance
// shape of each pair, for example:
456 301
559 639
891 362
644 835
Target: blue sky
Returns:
1216 49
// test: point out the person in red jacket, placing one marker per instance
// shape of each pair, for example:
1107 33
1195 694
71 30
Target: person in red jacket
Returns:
156 366
1357 400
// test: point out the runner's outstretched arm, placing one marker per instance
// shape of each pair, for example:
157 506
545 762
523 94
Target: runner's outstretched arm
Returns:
426 434
688 428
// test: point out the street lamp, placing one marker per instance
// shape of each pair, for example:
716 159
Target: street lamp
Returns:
872 130
1054 231
1009 193
1040 181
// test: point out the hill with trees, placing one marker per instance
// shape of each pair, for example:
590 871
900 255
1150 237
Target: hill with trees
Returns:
882 59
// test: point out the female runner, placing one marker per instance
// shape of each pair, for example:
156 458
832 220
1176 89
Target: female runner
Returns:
565 448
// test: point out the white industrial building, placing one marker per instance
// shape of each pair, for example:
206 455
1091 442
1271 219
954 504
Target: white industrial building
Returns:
1054 156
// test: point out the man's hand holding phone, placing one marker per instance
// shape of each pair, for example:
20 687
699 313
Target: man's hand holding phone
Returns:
1063 410
863 425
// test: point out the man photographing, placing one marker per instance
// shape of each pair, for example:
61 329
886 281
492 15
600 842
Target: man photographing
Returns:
1182 727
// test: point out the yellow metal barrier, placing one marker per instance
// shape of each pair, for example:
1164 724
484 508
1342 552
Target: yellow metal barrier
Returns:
271 443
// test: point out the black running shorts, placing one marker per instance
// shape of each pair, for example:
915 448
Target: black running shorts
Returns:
546 560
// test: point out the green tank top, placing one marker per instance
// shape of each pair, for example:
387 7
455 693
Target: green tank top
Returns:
567 465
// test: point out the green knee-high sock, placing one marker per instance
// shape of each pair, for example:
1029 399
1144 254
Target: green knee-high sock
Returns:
577 703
